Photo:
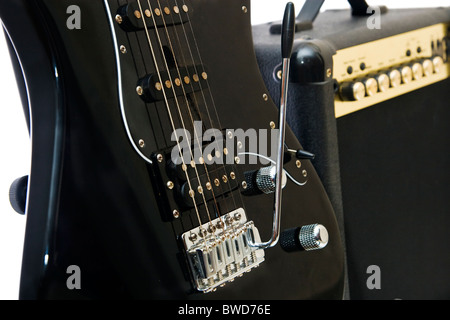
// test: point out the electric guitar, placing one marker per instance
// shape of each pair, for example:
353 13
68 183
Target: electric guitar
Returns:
152 158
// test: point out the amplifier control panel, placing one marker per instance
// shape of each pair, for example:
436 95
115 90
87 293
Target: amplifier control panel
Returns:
376 71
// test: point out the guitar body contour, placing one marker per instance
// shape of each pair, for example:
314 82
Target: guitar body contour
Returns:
100 196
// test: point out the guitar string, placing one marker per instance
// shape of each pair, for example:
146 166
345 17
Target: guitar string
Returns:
204 98
168 108
210 92
230 189
182 84
172 86
128 35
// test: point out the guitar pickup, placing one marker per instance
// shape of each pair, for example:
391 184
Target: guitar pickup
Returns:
206 186
131 16
183 80
179 184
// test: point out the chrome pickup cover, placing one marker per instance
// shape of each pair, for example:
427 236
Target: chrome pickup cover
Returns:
220 256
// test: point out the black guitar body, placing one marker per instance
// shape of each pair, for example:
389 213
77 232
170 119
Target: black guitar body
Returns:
98 195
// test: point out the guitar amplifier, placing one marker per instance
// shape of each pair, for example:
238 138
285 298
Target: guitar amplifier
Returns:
370 96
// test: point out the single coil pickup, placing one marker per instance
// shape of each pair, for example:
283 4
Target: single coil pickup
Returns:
170 176
196 160
210 185
131 17
182 81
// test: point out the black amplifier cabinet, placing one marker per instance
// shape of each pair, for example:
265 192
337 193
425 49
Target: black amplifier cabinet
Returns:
373 104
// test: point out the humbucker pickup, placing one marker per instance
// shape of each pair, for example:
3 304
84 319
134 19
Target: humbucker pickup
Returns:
132 17
219 251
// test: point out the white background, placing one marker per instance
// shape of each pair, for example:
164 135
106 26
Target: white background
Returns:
15 143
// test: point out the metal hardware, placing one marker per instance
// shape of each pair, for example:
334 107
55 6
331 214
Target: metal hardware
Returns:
224 253
288 30
313 237
266 179
305 238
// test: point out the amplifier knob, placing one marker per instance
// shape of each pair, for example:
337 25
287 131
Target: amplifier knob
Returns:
438 63
395 78
383 81
352 90
406 73
371 86
427 66
417 70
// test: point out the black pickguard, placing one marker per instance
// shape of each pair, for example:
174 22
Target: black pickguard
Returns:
94 201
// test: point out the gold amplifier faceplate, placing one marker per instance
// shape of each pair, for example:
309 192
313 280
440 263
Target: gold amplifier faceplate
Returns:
376 71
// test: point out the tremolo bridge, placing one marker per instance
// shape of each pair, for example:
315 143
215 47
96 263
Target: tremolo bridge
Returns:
219 250
220 256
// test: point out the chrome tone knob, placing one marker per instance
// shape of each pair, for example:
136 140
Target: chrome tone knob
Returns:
427 66
383 81
395 78
313 237
406 74
371 86
417 71
266 179
352 91
308 238
438 64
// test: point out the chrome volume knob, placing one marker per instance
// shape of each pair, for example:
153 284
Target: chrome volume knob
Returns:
308 238
266 179
427 66
352 90
395 78
417 71
438 64
371 86
406 73
383 81
313 237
